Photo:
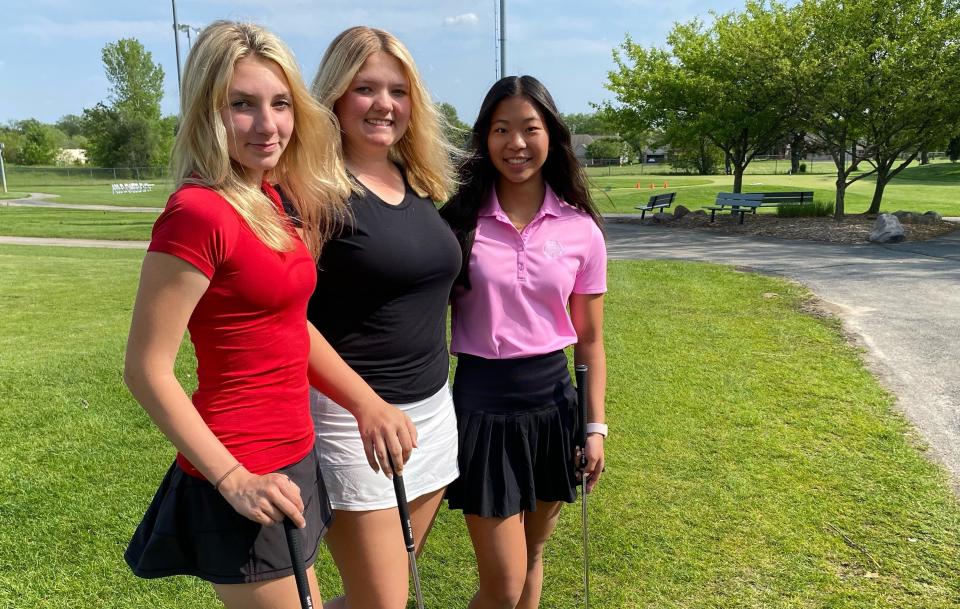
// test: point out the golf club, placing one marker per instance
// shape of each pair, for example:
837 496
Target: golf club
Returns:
407 527
296 556
580 370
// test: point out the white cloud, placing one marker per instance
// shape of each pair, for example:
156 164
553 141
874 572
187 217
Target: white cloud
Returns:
464 19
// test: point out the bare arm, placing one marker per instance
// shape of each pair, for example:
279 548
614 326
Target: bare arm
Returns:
586 312
384 429
169 291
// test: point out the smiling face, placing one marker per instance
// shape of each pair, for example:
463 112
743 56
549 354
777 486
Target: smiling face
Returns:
518 141
258 116
375 109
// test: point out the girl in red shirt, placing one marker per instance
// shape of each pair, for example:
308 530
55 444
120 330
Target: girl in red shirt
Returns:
225 263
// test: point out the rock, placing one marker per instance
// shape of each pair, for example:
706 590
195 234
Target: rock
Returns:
698 212
662 218
680 211
887 229
926 219
934 215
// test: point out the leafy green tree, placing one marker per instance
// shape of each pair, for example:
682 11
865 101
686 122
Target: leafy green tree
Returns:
883 78
589 124
40 143
136 83
70 124
735 83
457 131
695 155
130 131
606 148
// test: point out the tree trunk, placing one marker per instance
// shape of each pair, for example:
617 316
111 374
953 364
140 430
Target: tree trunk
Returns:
797 151
738 178
840 160
726 163
883 171
924 157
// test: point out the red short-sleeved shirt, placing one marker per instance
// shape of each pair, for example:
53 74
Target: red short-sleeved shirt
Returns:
248 329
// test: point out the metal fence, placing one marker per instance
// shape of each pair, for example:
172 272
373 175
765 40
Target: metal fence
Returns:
22 174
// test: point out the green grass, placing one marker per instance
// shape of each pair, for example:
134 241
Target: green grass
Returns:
75 224
747 440
88 186
918 188
101 194
12 195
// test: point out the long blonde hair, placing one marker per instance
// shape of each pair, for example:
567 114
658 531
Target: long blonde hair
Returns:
423 150
307 169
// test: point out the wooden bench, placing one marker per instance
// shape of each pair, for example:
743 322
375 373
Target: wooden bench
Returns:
735 203
661 201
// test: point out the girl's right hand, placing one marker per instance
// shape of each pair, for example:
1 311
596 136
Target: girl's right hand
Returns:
266 499
388 435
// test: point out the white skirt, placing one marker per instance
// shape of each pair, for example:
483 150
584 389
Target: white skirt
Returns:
352 485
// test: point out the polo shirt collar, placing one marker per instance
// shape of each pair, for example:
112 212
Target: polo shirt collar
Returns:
551 206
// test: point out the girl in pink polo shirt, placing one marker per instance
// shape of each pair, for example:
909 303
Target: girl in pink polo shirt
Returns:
531 284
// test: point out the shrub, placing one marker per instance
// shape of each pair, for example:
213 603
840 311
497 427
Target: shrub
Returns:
817 209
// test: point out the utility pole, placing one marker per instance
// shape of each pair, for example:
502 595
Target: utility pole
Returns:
503 38
176 42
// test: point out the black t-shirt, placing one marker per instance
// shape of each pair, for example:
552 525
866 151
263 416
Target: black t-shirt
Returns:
382 290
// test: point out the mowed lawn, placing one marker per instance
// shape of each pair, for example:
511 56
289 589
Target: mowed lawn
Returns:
918 188
752 463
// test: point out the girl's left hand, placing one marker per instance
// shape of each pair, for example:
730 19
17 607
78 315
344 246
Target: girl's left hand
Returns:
595 460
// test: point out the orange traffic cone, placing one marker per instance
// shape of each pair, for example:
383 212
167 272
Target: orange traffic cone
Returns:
651 185
665 185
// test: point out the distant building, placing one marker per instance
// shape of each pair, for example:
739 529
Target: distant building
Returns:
72 156
579 142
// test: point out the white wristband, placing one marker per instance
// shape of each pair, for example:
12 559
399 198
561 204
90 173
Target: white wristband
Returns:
600 428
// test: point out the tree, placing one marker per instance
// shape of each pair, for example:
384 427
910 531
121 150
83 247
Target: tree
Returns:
39 143
735 83
606 148
953 149
589 124
130 131
884 82
136 83
457 131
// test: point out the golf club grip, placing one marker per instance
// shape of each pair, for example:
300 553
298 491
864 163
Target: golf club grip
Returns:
580 371
296 557
400 490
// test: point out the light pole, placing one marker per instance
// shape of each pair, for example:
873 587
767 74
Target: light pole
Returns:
3 174
187 29
176 42
503 38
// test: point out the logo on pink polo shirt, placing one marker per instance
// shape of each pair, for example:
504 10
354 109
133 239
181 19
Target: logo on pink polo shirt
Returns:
552 249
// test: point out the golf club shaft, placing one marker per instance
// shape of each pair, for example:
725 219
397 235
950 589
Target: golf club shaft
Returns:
580 370
296 557
407 527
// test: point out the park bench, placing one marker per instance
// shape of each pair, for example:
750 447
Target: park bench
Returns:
661 201
780 199
735 203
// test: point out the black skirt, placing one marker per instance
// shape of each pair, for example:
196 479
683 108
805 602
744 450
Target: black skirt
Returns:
516 420
190 529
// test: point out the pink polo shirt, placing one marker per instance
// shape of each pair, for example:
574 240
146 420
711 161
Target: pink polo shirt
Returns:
522 281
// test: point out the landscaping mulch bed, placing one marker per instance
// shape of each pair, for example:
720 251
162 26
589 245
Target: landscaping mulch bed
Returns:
854 229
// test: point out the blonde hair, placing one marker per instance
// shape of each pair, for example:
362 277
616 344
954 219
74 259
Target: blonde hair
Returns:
306 171
423 150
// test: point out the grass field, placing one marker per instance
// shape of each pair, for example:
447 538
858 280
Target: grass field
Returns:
75 224
615 190
917 188
756 465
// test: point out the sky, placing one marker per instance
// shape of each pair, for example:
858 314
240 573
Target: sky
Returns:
50 50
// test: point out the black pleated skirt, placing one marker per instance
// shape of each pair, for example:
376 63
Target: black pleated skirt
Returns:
516 421
190 529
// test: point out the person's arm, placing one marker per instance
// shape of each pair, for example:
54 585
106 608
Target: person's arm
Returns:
170 289
586 312
384 429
